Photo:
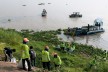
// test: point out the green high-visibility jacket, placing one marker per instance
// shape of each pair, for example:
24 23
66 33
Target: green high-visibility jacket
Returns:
73 47
68 46
45 56
93 62
62 45
57 60
25 51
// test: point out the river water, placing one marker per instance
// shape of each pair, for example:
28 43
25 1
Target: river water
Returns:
26 14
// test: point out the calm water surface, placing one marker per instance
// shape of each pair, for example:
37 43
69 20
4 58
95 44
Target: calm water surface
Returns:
29 16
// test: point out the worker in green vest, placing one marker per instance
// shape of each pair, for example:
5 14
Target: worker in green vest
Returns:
92 63
72 49
68 47
46 58
105 55
62 46
25 54
57 60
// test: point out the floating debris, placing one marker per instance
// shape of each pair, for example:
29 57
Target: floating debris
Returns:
9 20
23 5
49 3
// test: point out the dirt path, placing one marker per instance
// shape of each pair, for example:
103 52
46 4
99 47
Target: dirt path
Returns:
11 67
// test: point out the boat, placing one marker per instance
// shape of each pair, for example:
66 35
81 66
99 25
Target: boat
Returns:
75 14
85 30
44 13
41 4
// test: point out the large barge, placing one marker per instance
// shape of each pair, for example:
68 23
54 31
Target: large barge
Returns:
85 30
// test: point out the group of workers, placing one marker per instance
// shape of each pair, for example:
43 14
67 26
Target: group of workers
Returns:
46 59
68 47
28 54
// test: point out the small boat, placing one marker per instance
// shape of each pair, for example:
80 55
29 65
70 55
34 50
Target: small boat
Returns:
44 13
41 4
75 14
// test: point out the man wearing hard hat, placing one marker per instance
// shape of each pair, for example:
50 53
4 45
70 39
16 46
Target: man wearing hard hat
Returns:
57 60
25 54
46 58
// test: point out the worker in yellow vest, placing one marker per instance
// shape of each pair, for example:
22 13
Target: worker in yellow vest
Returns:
25 54
46 58
62 46
57 60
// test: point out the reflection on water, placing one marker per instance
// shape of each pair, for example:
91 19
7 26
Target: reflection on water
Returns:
27 15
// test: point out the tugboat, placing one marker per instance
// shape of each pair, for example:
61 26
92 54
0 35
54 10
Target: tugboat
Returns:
86 30
75 14
44 13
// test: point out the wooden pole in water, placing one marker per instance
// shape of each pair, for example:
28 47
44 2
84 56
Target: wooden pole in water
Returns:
73 36
87 37
88 27
87 34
